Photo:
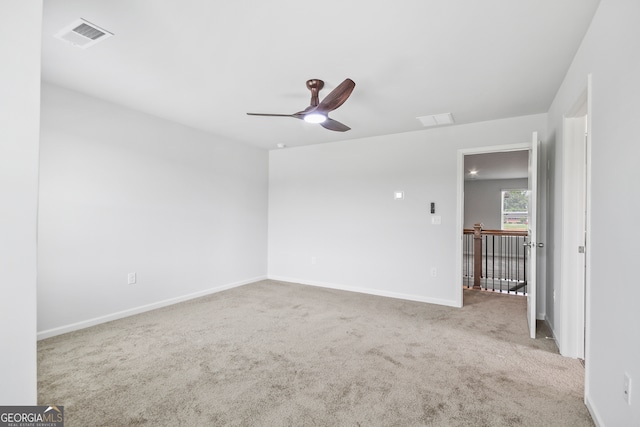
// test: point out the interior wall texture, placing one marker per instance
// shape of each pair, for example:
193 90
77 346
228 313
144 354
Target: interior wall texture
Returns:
124 192
333 219
609 52
20 38
483 201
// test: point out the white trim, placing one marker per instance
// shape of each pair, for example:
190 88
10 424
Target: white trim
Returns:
459 229
553 332
367 291
594 413
575 189
532 227
587 290
141 309
521 146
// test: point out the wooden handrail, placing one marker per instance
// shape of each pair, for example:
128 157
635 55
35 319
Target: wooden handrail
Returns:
498 232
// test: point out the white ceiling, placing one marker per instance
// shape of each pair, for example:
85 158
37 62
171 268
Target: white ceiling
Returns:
207 63
501 165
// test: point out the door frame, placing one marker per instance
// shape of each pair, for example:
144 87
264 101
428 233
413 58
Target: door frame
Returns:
531 253
460 202
575 284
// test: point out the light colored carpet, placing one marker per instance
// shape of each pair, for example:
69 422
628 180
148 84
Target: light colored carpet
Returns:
281 354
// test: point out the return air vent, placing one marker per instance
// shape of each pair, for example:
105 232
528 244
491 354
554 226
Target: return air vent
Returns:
436 120
82 34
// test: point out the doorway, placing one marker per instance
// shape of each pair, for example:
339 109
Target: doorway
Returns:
532 149
496 197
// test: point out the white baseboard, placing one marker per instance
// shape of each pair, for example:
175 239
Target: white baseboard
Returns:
368 291
555 338
594 413
553 332
141 309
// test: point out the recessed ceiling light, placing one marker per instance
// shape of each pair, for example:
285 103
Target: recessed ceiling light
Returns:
473 172
436 119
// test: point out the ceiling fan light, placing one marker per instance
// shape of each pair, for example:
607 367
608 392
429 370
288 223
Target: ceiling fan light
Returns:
315 118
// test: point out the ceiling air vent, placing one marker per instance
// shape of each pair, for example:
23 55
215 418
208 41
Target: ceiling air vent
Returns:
436 120
82 34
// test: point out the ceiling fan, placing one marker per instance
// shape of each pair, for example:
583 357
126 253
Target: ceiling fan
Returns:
318 112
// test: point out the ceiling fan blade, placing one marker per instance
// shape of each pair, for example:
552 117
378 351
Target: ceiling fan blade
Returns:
336 97
334 125
270 115
301 114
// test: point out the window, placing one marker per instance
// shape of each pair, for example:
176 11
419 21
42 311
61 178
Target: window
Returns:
515 209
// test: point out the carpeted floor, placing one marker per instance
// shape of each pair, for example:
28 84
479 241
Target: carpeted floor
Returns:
281 354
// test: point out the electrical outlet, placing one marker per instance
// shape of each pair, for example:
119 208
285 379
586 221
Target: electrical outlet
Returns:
434 272
313 260
131 278
627 388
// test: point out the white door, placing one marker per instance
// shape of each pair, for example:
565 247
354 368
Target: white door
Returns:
531 245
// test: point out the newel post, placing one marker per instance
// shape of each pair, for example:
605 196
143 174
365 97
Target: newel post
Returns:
477 255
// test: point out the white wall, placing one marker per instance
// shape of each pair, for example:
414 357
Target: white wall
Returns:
610 52
333 204
20 30
121 192
483 201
